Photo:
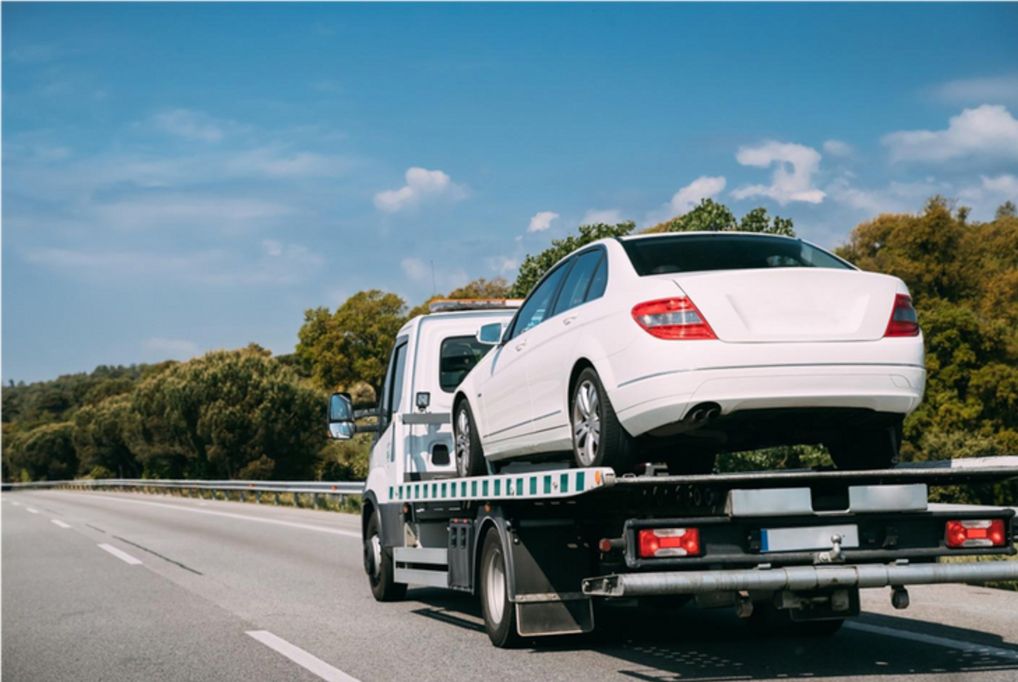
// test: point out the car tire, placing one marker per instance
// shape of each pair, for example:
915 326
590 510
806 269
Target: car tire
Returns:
866 449
598 438
378 564
469 454
498 610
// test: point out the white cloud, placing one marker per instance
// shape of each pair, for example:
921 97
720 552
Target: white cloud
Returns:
838 148
273 162
174 349
271 247
191 125
704 187
595 216
187 210
30 54
897 197
989 131
792 180
417 270
991 191
503 265
541 221
993 89
421 185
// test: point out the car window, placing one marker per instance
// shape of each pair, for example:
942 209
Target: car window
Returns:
459 354
538 307
574 290
599 281
700 253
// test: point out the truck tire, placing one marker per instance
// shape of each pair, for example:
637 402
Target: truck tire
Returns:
499 612
469 454
598 438
876 449
378 564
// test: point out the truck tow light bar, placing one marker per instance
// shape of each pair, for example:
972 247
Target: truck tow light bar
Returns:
984 533
669 542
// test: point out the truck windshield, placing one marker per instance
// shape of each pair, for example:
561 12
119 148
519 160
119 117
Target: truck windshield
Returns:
703 252
459 355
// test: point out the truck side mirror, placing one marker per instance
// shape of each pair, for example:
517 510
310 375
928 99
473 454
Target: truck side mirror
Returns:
341 425
490 334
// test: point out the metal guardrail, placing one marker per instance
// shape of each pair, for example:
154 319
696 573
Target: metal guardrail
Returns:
297 488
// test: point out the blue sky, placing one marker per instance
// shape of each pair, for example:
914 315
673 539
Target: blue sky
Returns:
184 177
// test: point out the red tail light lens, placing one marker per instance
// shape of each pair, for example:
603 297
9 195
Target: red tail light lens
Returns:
672 318
904 319
980 533
667 542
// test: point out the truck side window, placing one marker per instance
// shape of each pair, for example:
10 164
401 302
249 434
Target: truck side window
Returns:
538 307
393 388
575 288
459 354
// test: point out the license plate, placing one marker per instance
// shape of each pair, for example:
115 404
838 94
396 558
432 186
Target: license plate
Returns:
812 537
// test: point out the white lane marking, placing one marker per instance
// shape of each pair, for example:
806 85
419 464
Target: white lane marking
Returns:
60 523
934 640
16 504
31 510
120 554
242 517
301 657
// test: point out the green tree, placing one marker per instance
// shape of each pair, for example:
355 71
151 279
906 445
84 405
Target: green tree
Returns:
534 267
45 453
1006 210
100 432
352 344
710 216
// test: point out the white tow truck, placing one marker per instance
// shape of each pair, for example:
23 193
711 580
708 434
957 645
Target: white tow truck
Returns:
542 544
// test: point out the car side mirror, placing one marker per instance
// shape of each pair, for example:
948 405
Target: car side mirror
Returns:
341 424
491 334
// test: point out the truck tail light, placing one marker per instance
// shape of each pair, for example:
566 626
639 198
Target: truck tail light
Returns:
904 319
980 533
666 542
672 318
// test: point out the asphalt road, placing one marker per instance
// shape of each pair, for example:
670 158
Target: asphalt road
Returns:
112 587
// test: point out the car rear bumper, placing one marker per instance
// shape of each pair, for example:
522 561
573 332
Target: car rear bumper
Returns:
656 400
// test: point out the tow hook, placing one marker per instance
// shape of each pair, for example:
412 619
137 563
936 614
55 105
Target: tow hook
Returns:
833 556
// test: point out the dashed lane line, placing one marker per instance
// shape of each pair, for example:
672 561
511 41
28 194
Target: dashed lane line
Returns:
58 522
32 510
302 658
120 554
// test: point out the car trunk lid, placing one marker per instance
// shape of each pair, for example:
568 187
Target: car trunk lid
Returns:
792 304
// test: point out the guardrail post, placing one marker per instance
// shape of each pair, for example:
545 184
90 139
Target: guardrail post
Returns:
276 500
296 498
258 497
314 500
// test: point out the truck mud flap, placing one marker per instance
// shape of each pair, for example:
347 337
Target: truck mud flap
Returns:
550 560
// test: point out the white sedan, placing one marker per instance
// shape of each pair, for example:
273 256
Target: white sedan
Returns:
674 348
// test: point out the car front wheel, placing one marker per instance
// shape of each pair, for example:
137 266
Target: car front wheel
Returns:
598 438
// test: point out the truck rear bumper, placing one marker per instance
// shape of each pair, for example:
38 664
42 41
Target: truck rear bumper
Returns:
797 578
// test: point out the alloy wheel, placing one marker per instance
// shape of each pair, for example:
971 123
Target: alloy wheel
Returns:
586 422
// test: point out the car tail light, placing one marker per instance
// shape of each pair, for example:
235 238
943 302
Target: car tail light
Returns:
672 318
981 533
666 542
904 319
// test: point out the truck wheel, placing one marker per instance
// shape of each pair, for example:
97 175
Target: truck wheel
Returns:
866 449
598 438
378 564
499 611
469 454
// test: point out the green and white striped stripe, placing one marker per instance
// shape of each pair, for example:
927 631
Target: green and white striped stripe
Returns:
544 485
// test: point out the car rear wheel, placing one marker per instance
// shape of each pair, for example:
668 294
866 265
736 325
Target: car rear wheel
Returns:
598 438
876 449
469 455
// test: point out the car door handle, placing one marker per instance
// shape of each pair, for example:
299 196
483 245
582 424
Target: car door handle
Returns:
521 345
569 320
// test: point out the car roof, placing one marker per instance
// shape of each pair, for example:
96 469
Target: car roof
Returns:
702 233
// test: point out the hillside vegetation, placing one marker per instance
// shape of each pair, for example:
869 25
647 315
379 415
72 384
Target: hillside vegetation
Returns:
247 414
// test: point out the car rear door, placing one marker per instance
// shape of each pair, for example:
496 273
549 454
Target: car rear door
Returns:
505 397
552 345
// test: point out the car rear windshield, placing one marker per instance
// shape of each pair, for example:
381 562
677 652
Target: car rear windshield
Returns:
699 253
